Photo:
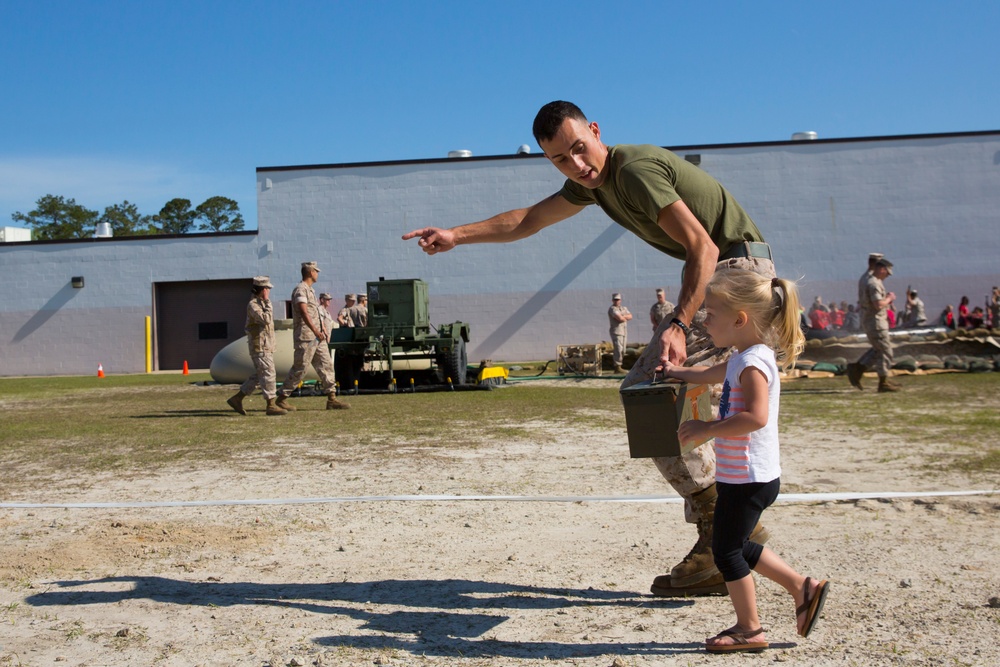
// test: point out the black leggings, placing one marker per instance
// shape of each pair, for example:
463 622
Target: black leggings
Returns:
737 510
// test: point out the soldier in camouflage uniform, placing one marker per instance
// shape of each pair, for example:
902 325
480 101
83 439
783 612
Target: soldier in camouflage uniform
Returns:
260 340
310 343
874 301
327 321
660 309
359 313
618 318
345 316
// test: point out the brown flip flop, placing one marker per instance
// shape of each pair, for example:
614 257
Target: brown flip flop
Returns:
740 645
812 606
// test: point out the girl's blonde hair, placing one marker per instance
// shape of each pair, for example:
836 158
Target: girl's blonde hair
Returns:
772 305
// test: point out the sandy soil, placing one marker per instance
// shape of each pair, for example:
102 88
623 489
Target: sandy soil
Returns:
486 582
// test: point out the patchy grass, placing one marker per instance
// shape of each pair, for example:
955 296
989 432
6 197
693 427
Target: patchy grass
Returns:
125 424
147 422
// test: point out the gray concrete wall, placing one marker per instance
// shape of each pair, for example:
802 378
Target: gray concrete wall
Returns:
48 327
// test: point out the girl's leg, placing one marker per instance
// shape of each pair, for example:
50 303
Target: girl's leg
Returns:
772 566
737 511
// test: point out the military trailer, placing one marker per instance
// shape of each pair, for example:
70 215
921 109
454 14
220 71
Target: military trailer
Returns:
399 348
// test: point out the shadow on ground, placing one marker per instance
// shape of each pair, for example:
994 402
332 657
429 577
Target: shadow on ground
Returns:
451 616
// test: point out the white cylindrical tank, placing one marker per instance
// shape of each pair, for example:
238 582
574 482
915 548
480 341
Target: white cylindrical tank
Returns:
232 364
805 136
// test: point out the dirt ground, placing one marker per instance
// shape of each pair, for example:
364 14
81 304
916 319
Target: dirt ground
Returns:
559 574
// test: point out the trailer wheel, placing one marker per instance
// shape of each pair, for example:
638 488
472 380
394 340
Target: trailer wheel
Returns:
453 363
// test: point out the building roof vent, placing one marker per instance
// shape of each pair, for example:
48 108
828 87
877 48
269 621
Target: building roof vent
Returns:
103 230
523 149
460 153
805 136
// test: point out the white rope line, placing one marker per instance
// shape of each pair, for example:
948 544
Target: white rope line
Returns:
785 497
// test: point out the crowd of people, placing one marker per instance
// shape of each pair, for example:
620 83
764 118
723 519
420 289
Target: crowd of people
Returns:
847 317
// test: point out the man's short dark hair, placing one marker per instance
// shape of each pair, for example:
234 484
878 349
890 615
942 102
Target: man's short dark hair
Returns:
550 118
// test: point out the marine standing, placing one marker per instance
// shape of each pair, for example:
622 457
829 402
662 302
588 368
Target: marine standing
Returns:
329 323
260 339
345 315
916 314
618 317
660 309
874 302
310 343
359 313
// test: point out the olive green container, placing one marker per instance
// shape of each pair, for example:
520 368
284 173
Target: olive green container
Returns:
653 411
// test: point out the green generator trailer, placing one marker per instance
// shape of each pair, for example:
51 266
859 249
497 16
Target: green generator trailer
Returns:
399 347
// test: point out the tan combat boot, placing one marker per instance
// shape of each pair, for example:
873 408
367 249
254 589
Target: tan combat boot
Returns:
697 574
619 370
236 402
282 402
273 409
333 404
885 386
854 374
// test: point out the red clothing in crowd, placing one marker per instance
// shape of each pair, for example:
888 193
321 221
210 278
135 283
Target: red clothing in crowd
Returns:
819 319
837 318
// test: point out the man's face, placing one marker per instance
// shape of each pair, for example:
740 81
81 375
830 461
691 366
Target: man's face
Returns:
577 152
660 298
881 272
325 303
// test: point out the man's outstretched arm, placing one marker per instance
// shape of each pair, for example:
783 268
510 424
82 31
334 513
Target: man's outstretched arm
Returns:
501 228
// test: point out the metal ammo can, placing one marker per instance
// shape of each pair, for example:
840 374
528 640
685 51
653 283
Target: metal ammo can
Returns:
653 411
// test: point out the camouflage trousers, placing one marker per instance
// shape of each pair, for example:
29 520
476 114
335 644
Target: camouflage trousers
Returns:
695 471
264 375
317 353
618 348
879 357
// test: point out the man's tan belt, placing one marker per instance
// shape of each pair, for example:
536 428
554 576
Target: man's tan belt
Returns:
747 249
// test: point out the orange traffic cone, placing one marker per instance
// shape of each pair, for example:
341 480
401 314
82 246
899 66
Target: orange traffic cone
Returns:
100 371
185 368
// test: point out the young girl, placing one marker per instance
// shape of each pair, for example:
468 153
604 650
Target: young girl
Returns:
755 315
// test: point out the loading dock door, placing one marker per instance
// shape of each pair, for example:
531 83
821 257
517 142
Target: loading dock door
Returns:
196 319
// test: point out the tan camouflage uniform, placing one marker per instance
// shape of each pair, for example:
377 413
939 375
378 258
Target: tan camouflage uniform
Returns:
308 349
260 341
875 324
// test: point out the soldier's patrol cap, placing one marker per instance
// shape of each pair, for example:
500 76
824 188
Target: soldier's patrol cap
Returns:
659 290
262 281
310 265
616 297
875 256
325 295
886 263
352 297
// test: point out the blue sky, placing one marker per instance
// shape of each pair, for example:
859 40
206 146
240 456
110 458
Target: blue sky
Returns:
151 100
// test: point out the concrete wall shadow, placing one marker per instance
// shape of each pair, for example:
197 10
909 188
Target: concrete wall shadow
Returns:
51 307
544 296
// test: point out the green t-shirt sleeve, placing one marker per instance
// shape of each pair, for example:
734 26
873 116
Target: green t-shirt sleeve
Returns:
648 185
576 194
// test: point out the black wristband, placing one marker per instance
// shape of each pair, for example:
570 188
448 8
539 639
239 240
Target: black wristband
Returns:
683 327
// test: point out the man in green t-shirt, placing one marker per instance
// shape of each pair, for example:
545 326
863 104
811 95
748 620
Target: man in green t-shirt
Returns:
681 211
